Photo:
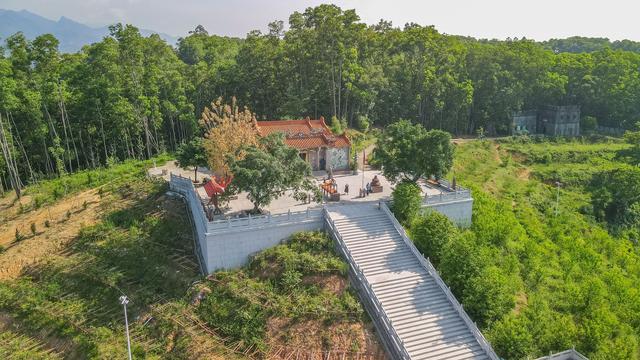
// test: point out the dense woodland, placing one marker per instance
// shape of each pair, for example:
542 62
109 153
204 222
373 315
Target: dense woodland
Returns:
132 97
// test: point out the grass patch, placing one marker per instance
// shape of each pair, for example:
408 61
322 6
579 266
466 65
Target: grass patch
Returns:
139 250
300 282
48 191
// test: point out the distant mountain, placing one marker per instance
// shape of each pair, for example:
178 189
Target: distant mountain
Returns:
71 34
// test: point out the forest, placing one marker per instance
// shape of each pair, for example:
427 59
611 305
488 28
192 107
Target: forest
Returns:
130 96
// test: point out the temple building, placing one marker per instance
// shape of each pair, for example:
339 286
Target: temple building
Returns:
314 140
550 120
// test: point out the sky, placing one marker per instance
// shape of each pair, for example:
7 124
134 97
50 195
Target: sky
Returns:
533 19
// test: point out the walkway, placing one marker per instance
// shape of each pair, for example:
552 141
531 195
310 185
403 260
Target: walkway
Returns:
415 313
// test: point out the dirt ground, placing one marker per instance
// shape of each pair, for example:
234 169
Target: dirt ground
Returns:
65 219
312 339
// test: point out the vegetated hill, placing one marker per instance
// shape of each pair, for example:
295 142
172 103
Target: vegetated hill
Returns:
71 34
579 44
535 281
71 246
291 300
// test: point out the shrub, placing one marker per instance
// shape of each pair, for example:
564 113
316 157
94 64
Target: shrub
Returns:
407 199
34 230
430 232
47 223
362 123
18 235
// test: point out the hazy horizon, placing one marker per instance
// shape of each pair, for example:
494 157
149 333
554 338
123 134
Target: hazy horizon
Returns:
490 19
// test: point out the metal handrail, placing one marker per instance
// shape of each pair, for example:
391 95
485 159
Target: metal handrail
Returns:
368 289
486 346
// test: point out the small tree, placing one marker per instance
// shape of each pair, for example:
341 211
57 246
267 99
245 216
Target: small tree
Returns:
407 199
437 153
397 151
631 154
336 126
362 123
227 131
268 171
409 152
431 232
192 154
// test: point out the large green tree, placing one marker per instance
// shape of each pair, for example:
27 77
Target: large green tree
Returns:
409 152
269 170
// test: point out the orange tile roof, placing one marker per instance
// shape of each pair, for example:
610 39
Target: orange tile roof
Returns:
304 134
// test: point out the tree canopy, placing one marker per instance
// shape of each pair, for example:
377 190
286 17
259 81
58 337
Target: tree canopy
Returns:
267 170
407 151
130 96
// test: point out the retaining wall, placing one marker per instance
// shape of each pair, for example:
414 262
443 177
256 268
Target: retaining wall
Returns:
458 211
225 244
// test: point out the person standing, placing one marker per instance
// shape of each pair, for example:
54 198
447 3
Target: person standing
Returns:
346 189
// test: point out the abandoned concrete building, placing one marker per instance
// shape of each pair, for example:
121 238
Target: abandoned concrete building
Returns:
550 120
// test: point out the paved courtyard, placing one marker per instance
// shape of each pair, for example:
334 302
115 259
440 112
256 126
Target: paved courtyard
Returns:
285 203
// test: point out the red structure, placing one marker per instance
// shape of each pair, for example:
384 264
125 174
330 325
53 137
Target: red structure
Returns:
315 141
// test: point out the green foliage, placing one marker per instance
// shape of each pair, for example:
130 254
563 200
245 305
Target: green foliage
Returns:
537 282
588 124
192 154
276 284
436 153
631 154
363 123
407 199
430 232
33 228
266 173
336 126
71 298
615 198
409 152
130 96
49 191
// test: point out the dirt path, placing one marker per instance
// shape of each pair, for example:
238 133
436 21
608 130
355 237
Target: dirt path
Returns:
65 219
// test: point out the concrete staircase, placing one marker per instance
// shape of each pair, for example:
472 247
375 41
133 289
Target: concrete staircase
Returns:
412 308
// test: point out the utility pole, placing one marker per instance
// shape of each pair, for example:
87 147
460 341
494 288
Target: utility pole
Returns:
557 197
124 301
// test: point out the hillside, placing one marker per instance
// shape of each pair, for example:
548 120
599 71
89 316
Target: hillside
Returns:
538 282
71 34
65 260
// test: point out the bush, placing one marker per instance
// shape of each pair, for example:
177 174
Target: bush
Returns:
336 126
430 232
407 199
362 123
34 230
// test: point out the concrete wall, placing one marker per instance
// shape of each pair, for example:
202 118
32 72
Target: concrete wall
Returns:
338 158
458 211
229 244
232 249
525 123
